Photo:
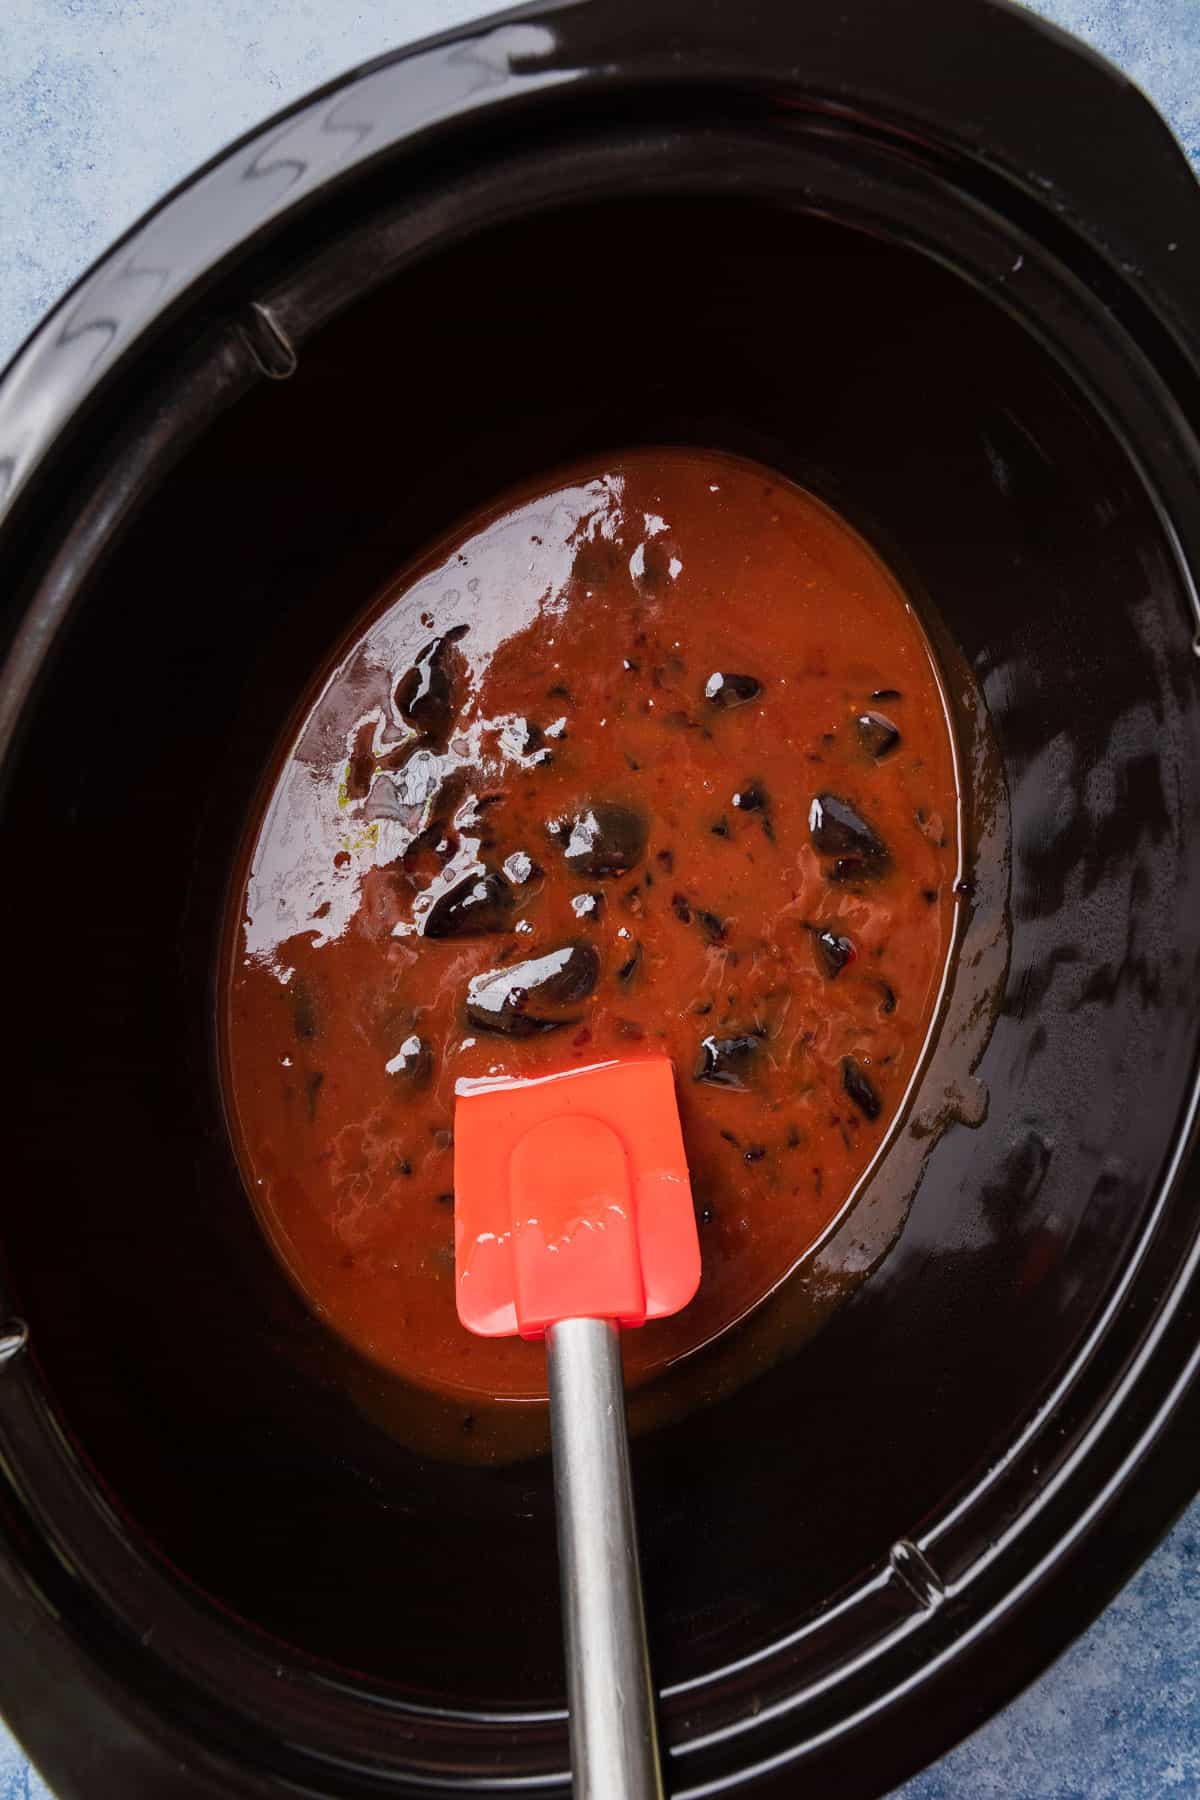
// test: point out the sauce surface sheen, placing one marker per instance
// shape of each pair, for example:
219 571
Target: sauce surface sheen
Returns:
652 759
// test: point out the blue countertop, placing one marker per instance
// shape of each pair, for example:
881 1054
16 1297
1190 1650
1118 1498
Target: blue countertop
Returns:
83 154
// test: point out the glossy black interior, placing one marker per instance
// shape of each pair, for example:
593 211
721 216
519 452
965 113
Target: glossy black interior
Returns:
207 1400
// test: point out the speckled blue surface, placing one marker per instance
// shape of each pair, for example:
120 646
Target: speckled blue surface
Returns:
106 103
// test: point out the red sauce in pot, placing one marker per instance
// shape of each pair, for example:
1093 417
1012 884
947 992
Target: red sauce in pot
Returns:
654 757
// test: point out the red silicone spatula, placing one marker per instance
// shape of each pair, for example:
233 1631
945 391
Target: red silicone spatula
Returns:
573 1217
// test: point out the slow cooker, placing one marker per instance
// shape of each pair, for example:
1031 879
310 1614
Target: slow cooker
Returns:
947 274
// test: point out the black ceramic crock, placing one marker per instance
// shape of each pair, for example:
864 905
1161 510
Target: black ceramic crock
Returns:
942 264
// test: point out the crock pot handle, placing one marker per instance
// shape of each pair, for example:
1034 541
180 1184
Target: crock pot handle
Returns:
614 1743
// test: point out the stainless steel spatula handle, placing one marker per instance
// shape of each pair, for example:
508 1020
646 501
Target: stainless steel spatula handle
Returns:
614 1744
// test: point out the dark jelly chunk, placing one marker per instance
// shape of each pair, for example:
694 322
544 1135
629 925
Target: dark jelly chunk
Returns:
727 1062
833 952
425 693
712 926
837 830
561 977
731 690
526 998
751 798
476 905
876 733
412 1063
860 1088
631 965
602 839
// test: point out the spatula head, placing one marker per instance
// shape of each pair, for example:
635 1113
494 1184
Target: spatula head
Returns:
572 1200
